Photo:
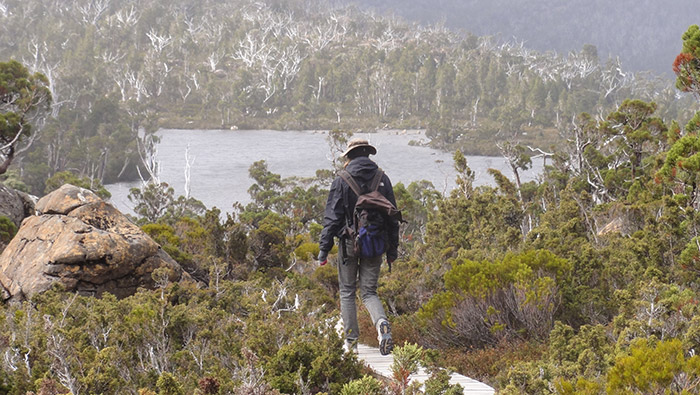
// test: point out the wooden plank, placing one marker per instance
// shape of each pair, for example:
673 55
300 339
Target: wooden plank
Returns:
382 365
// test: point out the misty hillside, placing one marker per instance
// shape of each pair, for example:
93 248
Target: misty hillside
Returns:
115 67
645 34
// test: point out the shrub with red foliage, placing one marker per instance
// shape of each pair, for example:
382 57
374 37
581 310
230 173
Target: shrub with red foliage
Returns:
686 68
209 385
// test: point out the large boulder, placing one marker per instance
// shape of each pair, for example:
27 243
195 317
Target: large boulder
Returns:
15 205
84 244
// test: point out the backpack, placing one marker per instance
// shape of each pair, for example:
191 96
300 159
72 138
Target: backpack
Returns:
368 229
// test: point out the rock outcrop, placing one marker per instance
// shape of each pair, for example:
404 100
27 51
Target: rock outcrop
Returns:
619 218
15 205
84 244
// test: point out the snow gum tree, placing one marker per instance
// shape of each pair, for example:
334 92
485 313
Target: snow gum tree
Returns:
24 100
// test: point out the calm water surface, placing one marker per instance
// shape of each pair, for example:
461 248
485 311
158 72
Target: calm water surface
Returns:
219 173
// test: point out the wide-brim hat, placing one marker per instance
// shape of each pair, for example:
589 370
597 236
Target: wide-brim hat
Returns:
359 143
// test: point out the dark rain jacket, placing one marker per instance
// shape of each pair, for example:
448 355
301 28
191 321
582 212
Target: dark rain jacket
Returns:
341 205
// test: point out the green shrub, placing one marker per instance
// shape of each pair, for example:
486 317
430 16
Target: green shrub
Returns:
407 360
327 277
168 240
367 385
439 384
652 367
168 385
7 229
485 302
310 360
307 251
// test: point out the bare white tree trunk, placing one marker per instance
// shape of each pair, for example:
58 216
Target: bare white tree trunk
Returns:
189 161
93 11
148 152
127 18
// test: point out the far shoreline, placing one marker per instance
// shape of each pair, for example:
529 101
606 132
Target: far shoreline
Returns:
420 133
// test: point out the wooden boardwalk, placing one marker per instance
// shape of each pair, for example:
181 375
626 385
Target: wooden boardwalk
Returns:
382 365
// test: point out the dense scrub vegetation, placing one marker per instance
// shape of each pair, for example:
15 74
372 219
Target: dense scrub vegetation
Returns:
120 69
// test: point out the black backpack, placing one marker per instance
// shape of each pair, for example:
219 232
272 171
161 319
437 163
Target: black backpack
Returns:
368 229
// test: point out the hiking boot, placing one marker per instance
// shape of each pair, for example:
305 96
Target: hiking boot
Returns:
350 346
386 344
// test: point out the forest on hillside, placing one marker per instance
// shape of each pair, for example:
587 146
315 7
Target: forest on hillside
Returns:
120 69
643 33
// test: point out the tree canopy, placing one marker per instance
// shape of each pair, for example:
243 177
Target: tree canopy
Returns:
24 99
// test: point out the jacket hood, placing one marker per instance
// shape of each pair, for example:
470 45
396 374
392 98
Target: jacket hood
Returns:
362 168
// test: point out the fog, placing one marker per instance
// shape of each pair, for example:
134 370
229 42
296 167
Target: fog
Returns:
645 34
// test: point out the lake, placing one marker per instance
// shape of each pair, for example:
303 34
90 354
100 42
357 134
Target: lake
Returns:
220 160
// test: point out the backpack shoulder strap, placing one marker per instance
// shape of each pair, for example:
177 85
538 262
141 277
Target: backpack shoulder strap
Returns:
377 179
351 182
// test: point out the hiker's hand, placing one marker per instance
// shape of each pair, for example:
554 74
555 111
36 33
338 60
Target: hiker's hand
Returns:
322 257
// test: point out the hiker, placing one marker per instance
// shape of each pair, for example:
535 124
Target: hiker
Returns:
355 268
